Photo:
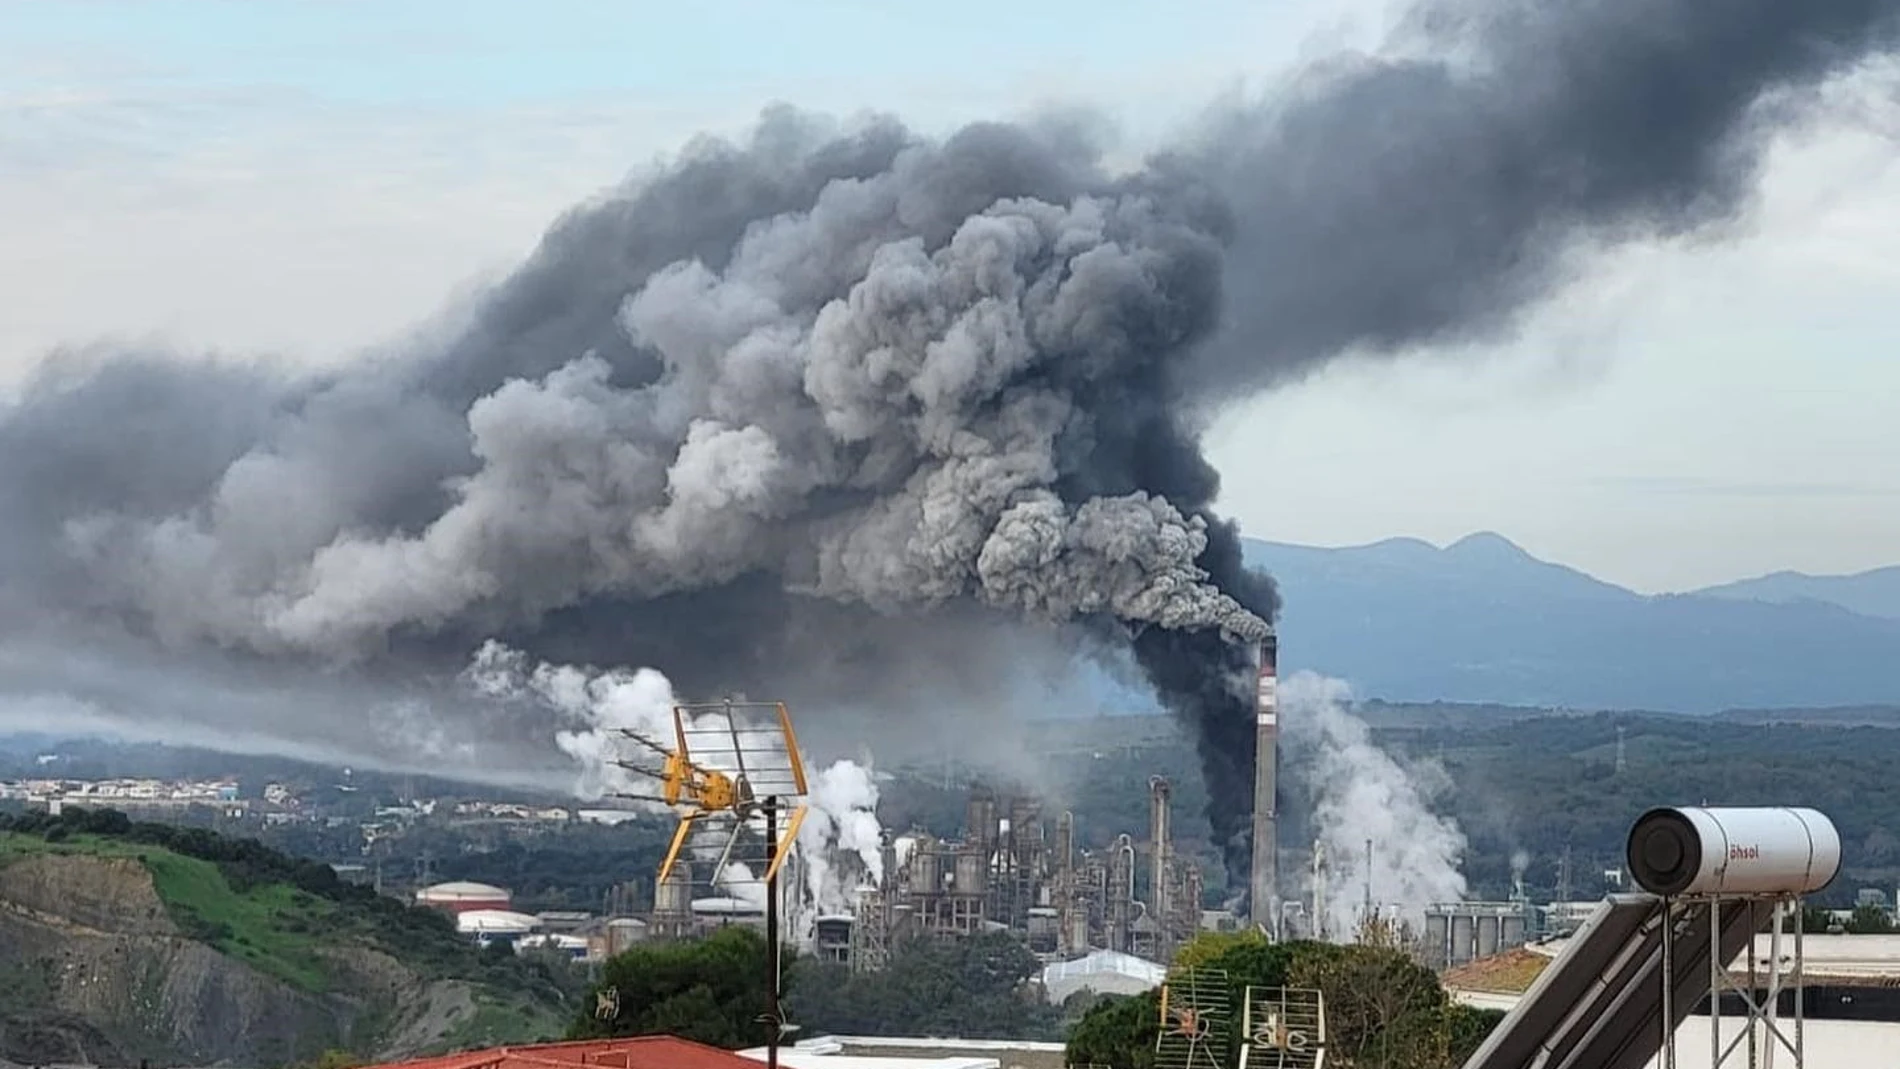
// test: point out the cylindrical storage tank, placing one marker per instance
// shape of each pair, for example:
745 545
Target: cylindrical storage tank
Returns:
1512 933
673 895
1489 934
1438 938
925 874
980 816
1078 935
622 934
970 870
1692 850
1462 938
463 897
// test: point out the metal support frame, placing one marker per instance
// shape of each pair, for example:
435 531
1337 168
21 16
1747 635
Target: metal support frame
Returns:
1762 1031
773 1019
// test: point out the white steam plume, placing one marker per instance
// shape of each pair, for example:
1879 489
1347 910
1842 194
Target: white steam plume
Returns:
601 704
1361 793
841 829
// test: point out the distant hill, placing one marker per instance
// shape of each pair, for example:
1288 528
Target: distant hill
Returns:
1873 593
1481 620
122 942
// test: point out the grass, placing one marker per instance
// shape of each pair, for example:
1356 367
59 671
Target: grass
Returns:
274 928
495 1021
1509 973
15 846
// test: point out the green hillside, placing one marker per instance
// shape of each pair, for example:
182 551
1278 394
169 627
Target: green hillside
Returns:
374 966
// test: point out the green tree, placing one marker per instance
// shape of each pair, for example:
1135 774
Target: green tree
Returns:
1467 1027
974 988
1869 920
1118 1032
1383 1010
712 990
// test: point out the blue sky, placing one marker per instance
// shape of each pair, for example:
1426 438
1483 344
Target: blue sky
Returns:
490 54
309 179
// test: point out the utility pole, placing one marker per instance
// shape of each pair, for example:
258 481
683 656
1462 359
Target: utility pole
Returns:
774 1020
1368 916
1319 890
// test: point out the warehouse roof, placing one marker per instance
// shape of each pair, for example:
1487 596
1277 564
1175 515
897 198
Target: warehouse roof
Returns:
1099 962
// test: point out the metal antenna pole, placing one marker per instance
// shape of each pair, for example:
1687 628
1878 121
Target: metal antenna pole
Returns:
1668 1021
772 1019
1368 917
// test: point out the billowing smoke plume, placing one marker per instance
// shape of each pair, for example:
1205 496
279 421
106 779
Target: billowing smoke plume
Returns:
1362 795
784 413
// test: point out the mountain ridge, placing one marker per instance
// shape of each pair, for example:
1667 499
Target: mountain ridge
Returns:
1483 620
1874 592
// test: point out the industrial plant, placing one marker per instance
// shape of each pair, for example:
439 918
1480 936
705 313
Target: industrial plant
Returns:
1012 867
1010 870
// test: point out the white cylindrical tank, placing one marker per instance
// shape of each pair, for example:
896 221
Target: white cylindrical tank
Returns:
1692 850
1464 942
1490 934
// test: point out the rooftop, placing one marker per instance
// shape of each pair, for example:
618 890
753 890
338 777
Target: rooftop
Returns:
1509 973
899 1052
462 889
642 1052
1106 961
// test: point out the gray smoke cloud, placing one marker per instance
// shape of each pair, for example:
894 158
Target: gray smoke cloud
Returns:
857 416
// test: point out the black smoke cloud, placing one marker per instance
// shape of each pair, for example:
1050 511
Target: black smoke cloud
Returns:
863 418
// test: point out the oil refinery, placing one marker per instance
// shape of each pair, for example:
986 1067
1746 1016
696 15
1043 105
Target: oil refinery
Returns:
1010 870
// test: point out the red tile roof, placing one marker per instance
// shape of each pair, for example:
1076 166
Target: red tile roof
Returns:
639 1052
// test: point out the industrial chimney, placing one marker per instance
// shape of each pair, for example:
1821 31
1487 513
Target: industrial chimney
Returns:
1263 885
1160 839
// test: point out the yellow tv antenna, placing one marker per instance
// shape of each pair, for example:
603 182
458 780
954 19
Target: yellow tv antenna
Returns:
733 771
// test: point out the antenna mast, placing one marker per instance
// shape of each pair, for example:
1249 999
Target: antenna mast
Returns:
1319 890
729 777
1368 918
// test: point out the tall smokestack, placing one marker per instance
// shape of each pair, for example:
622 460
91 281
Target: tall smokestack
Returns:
1159 837
1263 887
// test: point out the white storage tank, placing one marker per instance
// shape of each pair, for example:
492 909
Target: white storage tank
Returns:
461 897
1463 938
1490 934
1695 850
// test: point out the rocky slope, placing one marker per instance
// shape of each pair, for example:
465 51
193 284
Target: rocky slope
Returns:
95 968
